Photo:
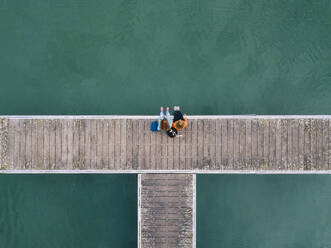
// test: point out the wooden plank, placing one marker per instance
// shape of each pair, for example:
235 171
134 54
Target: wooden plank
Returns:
135 144
153 149
88 144
117 142
128 142
329 144
147 144
279 164
52 144
290 145
46 144
123 143
171 152
70 144
325 136
22 154
141 146
94 144
224 143
164 149
111 142
213 144
64 145
80 149
11 144
158 150
182 149
260 145
105 145
218 145
272 145
301 144
188 147
75 145
230 136
194 147
200 144
242 144
82 142
99 146
294 162
206 161
58 144
254 150
176 150
266 130
39 139
314 143
236 144
34 146
307 145
17 143
284 144
28 144
3 145
319 143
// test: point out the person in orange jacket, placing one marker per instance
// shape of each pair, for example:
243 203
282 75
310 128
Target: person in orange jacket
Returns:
180 121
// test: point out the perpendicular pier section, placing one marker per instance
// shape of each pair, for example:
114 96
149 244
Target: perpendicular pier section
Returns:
166 210
125 144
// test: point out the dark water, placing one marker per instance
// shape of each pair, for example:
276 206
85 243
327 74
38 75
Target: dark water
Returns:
264 211
130 57
68 211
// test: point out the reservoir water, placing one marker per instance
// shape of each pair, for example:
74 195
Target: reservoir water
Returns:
48 211
129 57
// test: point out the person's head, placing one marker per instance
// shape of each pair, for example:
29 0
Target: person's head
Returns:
172 132
179 124
165 124
176 108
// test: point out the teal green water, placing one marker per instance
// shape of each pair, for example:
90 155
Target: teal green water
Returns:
71 211
130 57
264 211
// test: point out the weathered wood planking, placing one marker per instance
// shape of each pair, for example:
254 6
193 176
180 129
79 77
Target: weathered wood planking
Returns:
219 143
166 210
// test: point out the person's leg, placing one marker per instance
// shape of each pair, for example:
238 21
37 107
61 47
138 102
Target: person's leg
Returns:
160 119
168 117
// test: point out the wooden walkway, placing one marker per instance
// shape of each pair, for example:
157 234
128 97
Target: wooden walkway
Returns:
166 211
124 143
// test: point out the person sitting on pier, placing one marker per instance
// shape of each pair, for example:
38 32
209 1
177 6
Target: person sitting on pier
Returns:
180 121
164 121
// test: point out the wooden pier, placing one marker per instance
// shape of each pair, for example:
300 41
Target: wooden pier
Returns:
166 210
166 167
210 144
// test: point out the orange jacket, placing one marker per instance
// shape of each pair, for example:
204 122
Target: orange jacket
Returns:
185 124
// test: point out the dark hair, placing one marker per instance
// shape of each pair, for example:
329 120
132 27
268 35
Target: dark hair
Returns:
172 132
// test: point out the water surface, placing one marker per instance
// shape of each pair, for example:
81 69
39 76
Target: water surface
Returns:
130 57
264 211
71 211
